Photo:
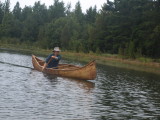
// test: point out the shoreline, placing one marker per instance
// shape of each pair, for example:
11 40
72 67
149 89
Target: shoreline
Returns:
109 60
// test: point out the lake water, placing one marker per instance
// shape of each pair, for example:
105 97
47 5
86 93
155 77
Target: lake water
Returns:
118 94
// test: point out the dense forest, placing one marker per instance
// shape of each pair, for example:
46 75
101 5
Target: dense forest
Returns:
130 28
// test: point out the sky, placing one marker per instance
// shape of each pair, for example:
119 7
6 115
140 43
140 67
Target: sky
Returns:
85 4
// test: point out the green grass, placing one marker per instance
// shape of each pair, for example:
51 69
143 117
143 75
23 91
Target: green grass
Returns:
140 64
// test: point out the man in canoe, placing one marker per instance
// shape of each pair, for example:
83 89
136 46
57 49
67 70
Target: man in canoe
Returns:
53 59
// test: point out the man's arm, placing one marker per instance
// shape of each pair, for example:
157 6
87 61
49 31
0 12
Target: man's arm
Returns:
48 58
44 66
46 62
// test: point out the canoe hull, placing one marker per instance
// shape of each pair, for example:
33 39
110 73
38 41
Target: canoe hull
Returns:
87 72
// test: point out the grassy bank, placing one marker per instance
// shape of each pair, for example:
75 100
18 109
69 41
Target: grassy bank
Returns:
140 64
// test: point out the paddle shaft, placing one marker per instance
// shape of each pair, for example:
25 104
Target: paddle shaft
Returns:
50 60
16 65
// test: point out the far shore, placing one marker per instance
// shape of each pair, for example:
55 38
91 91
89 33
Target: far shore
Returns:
145 65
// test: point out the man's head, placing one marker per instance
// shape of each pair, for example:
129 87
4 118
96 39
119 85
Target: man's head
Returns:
56 51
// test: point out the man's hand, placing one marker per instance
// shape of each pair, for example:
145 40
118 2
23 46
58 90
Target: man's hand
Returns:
53 57
43 69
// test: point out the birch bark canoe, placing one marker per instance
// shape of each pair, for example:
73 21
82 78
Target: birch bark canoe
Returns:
87 72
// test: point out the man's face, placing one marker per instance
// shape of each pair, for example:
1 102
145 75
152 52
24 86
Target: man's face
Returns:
56 53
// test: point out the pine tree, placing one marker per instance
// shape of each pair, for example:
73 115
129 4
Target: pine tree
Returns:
17 11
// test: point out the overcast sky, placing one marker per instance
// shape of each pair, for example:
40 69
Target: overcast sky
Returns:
84 3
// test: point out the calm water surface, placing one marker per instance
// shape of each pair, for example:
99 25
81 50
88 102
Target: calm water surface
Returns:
118 94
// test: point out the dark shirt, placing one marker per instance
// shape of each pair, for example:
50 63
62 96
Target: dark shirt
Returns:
53 62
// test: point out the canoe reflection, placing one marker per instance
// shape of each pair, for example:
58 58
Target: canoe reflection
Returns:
50 77
87 85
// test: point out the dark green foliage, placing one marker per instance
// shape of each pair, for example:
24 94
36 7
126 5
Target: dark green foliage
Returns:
17 11
130 28
26 12
56 10
1 12
10 27
6 6
91 14
78 13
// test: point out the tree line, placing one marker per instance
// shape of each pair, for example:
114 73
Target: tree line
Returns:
130 28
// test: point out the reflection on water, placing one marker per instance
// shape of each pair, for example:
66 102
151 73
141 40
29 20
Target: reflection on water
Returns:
27 94
87 85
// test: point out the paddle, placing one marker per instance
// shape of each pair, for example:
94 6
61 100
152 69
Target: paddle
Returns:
50 60
16 65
